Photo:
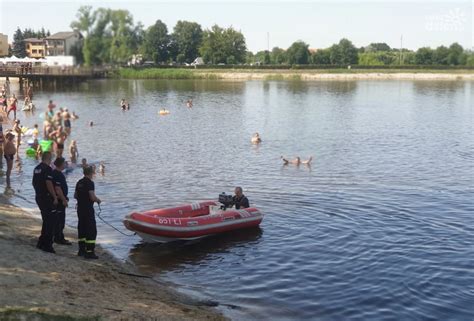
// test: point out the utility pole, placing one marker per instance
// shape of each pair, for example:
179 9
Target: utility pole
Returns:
401 48
268 41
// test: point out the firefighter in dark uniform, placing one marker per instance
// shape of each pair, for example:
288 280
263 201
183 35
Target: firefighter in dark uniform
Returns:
60 185
47 200
86 226
239 199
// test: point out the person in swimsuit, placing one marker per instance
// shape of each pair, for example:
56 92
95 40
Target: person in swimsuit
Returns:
35 132
60 138
17 130
2 141
73 152
67 121
9 153
123 104
29 93
74 116
13 103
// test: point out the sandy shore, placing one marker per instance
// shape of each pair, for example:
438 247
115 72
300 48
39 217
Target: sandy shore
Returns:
40 286
324 76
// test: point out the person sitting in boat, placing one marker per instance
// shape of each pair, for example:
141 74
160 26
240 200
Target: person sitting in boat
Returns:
239 199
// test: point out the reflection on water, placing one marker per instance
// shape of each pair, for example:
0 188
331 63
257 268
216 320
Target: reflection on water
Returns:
378 228
154 258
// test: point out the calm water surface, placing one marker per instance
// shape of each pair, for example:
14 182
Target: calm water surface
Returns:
380 227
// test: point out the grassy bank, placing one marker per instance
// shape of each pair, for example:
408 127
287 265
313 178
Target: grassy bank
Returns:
158 73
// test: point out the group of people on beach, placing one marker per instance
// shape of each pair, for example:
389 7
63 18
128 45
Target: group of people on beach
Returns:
49 182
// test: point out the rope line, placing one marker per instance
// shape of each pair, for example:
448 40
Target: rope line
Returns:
104 221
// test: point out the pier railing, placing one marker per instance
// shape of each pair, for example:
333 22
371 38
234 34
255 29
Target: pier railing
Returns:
26 71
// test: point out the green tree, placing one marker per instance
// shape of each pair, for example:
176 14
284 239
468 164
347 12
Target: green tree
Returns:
187 38
263 57
298 53
424 56
122 40
19 49
218 44
470 59
157 42
456 55
278 56
378 46
321 57
85 20
343 53
249 57
440 56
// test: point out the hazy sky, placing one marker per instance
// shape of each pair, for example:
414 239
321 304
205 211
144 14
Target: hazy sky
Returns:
319 23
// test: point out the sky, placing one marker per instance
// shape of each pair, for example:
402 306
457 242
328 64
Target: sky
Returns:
264 23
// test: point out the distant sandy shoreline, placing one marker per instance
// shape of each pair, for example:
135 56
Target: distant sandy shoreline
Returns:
325 76
42 286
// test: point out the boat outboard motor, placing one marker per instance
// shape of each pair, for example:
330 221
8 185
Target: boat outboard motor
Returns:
226 200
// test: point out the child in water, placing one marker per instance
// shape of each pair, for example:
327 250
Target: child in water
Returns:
74 152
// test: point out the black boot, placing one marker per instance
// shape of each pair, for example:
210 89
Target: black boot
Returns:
90 254
82 248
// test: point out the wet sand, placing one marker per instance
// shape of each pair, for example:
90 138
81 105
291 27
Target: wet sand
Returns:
43 286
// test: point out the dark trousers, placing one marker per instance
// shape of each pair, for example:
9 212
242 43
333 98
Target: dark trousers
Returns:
60 222
86 228
45 205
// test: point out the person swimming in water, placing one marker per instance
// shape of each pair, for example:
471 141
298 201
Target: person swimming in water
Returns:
256 139
189 103
101 168
296 161
74 116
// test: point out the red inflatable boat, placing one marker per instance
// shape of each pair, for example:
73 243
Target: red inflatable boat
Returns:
192 221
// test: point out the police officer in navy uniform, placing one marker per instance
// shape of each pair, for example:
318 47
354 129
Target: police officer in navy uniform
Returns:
86 225
60 185
46 199
239 199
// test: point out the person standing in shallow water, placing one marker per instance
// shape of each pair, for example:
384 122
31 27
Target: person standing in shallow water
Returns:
9 152
86 225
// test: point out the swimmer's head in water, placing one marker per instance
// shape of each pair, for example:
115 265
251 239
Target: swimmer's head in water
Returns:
91 123
84 161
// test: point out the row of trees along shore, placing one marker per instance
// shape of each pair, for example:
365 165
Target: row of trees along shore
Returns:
112 37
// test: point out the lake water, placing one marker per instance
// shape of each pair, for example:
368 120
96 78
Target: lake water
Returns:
380 227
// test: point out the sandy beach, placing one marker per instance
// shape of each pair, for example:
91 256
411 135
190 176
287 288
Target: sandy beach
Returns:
318 75
41 286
